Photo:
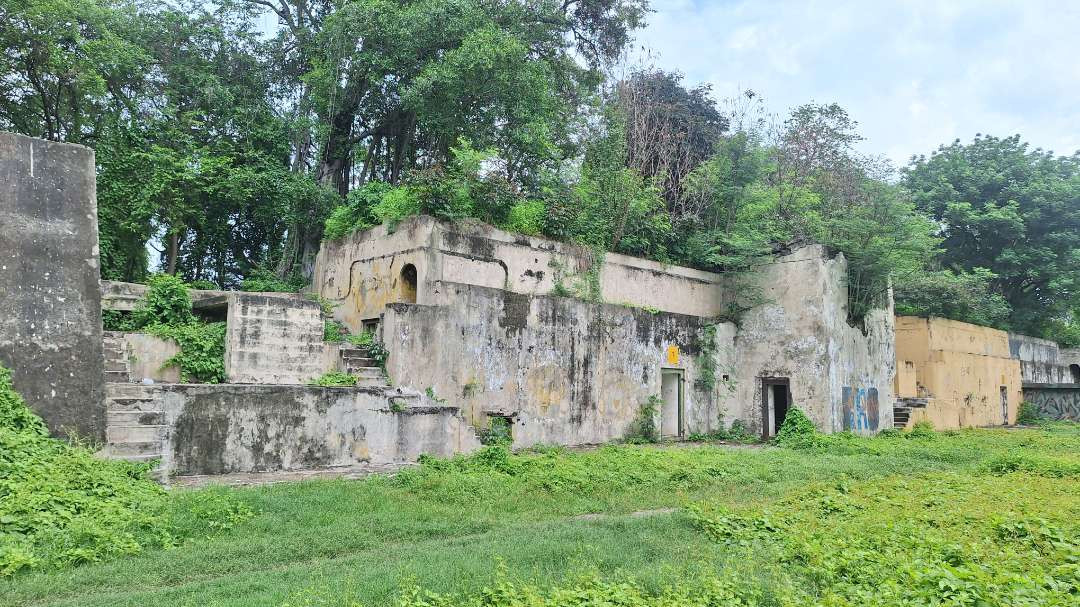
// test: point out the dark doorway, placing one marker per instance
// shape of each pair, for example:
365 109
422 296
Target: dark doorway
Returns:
408 283
775 402
1005 405
1074 370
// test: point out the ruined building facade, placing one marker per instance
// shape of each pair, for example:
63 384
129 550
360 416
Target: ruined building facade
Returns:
480 324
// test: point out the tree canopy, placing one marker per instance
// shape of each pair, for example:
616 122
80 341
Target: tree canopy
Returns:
230 152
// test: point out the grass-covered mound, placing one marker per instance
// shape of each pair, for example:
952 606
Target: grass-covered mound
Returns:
60 505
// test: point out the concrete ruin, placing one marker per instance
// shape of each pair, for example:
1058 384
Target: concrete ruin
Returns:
481 326
481 317
50 310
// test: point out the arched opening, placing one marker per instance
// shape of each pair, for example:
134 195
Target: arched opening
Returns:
408 283
1075 371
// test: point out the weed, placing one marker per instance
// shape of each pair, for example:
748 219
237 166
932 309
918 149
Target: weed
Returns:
334 379
643 429
498 432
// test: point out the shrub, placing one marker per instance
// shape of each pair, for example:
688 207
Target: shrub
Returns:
166 303
498 432
334 332
797 431
1029 414
334 379
202 350
60 505
922 429
265 281
643 429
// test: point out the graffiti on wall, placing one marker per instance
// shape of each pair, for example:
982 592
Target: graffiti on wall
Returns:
1055 403
860 409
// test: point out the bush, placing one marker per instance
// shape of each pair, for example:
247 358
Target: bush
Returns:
334 379
922 429
202 350
166 303
61 506
265 281
643 429
797 431
1029 414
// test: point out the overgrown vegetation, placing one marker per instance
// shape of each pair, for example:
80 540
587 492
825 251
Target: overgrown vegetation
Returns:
166 312
498 432
334 379
644 429
61 506
370 346
785 529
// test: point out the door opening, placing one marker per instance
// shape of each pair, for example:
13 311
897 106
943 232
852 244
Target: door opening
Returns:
775 402
671 414
1005 405
408 283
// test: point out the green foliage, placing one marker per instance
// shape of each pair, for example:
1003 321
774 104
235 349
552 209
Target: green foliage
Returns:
334 379
922 429
202 350
527 217
166 303
262 281
797 431
1012 211
334 332
1029 414
61 506
166 312
371 347
706 358
644 429
965 296
498 432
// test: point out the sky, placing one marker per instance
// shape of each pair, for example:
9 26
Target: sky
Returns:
914 74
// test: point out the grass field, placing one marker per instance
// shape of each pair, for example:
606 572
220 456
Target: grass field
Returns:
979 517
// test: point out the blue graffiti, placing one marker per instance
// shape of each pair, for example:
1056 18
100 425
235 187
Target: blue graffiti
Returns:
860 409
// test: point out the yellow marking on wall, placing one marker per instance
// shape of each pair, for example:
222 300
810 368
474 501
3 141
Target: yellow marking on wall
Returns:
673 355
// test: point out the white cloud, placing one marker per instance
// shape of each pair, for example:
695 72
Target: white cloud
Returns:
914 74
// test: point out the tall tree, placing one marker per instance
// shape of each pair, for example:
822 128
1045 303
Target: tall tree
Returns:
1013 211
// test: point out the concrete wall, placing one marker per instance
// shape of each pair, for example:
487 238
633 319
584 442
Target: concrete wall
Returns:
50 300
841 377
1042 361
224 428
1055 401
961 367
567 371
362 272
275 338
126 296
147 355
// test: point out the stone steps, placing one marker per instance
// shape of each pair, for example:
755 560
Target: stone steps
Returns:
116 361
135 428
901 417
365 372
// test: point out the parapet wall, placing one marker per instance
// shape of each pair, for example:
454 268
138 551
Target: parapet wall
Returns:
50 300
363 271
198 429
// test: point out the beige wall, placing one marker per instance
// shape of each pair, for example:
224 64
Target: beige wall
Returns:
147 355
275 338
961 368
841 377
362 272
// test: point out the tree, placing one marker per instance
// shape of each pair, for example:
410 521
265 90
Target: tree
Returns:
1013 211
670 130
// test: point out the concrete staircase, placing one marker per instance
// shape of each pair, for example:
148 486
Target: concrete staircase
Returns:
902 410
116 358
366 370
135 422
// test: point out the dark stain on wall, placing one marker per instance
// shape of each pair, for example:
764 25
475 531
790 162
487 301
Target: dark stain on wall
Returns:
515 311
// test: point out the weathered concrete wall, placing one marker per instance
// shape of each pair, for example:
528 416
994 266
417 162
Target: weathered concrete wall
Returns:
839 376
1042 361
961 367
50 300
224 428
126 296
147 355
363 272
275 338
567 371
1055 401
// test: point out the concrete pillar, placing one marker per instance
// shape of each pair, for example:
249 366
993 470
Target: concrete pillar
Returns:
50 295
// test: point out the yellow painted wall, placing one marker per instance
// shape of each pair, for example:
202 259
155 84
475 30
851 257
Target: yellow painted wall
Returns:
960 367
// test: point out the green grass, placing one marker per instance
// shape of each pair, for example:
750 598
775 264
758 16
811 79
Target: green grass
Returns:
764 526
